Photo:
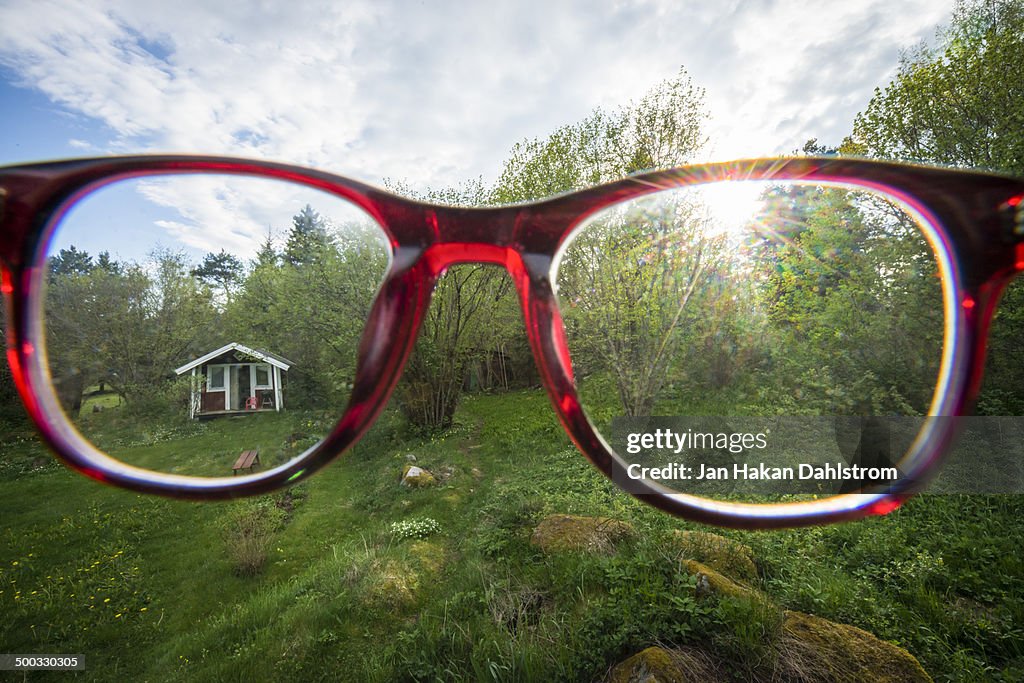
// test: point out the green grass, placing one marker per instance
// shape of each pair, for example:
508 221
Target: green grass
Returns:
152 589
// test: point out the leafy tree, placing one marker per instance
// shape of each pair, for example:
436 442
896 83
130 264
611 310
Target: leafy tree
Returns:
127 326
633 284
961 103
629 284
470 318
311 306
850 289
663 129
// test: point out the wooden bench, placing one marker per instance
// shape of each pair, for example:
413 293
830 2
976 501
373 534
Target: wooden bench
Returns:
246 461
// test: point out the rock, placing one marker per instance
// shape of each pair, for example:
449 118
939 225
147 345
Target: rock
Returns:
409 457
575 533
417 477
818 649
658 665
724 555
710 582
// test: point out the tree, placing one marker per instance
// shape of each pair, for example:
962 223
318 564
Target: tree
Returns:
105 263
307 239
70 261
663 129
850 289
632 285
128 326
222 270
961 103
462 327
629 284
267 254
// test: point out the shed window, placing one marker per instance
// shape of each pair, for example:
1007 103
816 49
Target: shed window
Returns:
262 377
215 378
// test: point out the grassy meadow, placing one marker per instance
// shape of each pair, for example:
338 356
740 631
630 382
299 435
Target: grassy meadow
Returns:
351 576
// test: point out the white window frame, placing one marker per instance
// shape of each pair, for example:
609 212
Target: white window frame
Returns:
270 377
224 377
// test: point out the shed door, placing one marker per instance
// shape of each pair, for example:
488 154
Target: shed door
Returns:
241 386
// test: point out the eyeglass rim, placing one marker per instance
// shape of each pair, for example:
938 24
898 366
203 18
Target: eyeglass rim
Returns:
532 271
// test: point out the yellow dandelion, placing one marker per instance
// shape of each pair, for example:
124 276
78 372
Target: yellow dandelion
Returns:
117 616
106 599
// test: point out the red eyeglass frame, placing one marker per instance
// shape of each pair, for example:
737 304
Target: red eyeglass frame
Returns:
975 223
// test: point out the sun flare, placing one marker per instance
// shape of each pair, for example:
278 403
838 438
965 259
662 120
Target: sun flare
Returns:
732 204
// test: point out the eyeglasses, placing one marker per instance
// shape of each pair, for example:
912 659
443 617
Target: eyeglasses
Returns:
636 294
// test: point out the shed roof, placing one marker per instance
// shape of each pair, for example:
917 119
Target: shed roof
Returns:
265 356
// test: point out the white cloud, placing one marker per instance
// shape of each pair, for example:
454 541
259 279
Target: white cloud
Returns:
434 93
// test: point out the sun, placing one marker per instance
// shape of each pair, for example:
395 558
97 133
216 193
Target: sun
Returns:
731 204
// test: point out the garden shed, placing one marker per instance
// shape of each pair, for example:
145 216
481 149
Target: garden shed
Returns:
236 379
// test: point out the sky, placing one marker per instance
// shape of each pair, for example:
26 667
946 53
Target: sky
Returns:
428 95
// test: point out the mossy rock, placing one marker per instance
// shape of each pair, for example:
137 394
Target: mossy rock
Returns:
417 477
710 582
658 665
724 555
429 555
559 533
813 648
390 583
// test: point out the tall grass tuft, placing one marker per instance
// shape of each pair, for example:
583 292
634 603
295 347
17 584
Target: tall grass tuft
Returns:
248 530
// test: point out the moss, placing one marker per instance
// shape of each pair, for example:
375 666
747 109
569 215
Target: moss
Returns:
417 477
559 533
813 648
390 583
724 555
429 555
711 582
658 665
